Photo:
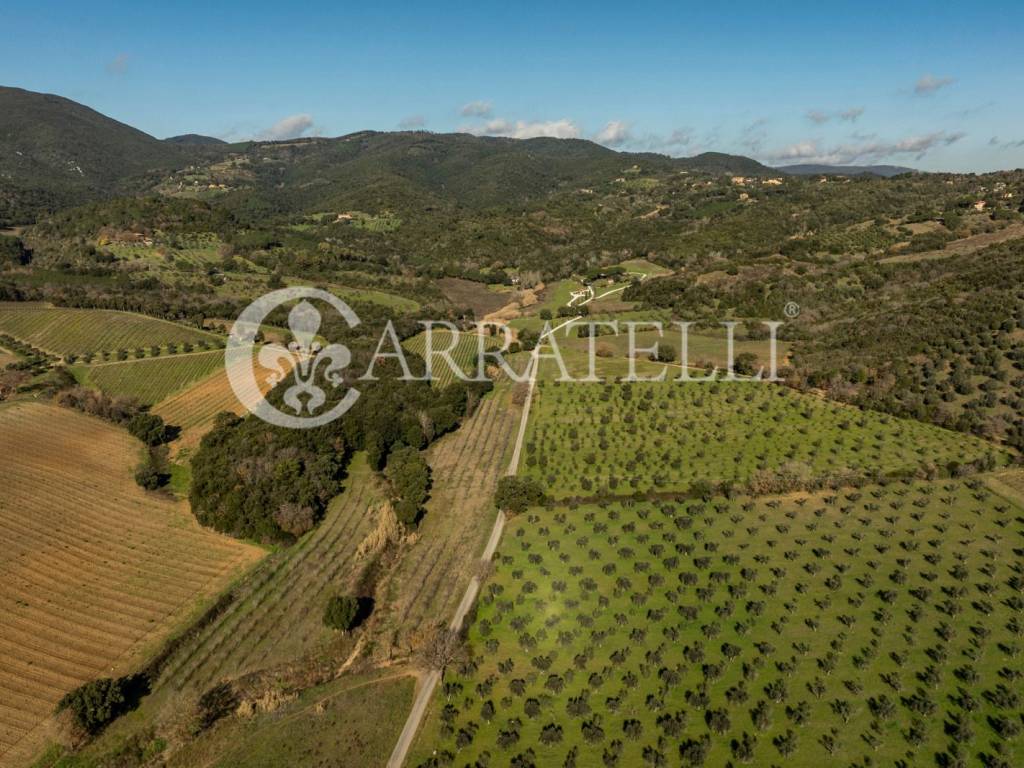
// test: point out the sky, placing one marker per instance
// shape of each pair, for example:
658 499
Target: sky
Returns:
935 86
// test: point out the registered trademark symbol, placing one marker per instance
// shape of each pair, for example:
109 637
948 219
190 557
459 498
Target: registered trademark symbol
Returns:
791 310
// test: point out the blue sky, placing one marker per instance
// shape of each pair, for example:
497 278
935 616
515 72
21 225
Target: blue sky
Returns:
937 85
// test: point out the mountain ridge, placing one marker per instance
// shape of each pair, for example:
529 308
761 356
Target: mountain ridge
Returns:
55 153
814 169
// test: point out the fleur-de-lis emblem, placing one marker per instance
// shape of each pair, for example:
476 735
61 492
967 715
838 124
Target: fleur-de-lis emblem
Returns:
303 357
305 367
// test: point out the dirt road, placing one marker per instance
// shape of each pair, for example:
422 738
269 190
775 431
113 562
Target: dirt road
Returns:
430 681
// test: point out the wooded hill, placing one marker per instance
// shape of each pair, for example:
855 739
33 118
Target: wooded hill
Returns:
55 152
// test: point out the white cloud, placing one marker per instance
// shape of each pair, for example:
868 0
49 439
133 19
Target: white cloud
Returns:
614 134
754 135
680 137
800 151
523 129
673 144
819 117
928 84
118 65
291 127
412 122
477 109
866 152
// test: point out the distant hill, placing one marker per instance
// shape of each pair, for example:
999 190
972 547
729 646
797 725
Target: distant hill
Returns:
56 153
720 163
811 169
195 139
397 170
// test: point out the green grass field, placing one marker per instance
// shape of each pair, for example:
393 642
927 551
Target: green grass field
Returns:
151 379
644 267
620 439
64 331
350 723
873 627
348 293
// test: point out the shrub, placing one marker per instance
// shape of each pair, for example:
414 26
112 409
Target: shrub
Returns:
94 704
148 476
295 519
409 476
342 612
154 471
217 702
665 353
148 427
745 364
515 494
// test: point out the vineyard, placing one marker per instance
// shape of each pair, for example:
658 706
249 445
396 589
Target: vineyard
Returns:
432 574
878 626
620 439
95 570
194 409
152 379
79 332
464 353
277 615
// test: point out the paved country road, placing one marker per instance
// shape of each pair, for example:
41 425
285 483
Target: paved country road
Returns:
429 683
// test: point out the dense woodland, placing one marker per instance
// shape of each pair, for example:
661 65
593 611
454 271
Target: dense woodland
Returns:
270 483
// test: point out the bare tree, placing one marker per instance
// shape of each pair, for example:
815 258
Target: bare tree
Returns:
444 647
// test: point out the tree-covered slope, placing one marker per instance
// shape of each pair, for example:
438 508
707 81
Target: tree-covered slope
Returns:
55 152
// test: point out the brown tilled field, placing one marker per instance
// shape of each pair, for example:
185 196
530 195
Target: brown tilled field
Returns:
94 572
194 409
